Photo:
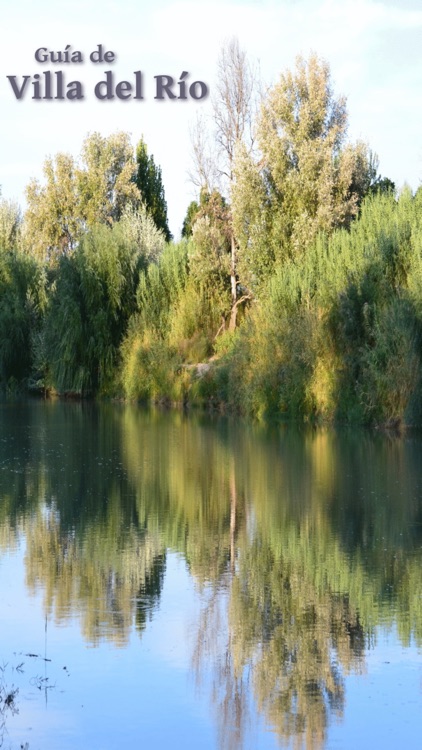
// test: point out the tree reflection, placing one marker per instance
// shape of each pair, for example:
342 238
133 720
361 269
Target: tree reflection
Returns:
109 585
300 545
298 640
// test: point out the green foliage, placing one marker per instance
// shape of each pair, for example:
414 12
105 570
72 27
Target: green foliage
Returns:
52 221
179 310
105 179
251 222
338 332
160 286
335 333
212 258
79 194
91 300
332 325
189 220
209 256
150 368
391 366
148 361
307 178
10 224
195 320
140 229
22 299
150 185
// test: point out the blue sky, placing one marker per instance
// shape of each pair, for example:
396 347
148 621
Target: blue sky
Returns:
373 48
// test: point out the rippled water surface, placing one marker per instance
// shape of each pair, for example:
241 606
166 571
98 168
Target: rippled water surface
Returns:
186 582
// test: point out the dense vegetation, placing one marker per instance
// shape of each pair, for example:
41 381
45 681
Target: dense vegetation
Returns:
295 290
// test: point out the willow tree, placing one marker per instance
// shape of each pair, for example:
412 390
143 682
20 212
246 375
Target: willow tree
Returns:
309 178
90 304
22 300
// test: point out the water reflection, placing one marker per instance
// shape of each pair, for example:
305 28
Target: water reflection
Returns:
300 544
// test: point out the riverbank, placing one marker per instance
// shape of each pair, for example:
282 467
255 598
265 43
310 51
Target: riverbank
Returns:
334 335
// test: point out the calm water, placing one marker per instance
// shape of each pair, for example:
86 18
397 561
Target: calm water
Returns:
172 581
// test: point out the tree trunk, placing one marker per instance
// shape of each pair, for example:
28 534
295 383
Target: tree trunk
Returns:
233 280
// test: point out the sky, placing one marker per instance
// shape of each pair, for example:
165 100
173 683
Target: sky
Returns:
373 47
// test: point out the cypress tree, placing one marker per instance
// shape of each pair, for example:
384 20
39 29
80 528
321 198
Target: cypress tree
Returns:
149 183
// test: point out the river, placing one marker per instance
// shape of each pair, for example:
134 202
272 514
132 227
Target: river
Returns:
172 580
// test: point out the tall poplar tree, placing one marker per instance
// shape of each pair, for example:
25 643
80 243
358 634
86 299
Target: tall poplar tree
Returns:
78 194
308 177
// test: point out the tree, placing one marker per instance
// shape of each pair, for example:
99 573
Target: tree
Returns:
382 185
251 221
204 173
22 299
233 114
140 229
209 258
105 181
90 304
76 196
52 222
233 109
313 178
10 221
209 251
213 206
150 185
233 104
189 220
